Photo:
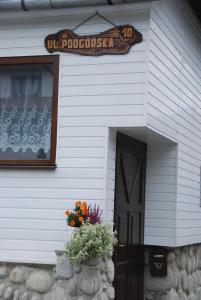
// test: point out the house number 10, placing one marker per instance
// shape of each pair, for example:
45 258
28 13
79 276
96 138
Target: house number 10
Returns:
127 31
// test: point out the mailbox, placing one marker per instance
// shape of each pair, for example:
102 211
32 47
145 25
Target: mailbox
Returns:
158 263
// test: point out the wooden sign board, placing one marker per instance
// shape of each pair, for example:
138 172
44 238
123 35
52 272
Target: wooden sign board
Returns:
117 40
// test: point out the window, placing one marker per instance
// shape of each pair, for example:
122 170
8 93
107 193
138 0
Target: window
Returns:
28 110
26 86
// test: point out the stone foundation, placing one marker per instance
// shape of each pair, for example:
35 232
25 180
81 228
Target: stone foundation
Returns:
87 281
183 280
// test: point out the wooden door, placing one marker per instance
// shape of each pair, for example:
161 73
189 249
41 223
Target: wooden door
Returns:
129 218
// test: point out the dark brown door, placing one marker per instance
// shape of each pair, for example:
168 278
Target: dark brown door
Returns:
129 218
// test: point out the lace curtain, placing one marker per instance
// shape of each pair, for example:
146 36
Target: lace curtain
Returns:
25 116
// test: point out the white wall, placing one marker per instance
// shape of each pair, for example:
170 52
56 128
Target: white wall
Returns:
174 110
188 228
164 68
108 210
94 94
162 117
160 200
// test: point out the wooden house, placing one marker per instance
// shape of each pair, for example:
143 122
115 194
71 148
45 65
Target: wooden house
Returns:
121 131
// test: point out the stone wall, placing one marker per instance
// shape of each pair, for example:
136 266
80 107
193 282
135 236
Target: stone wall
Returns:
183 280
87 281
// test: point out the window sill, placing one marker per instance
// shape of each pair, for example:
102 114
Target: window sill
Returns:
34 167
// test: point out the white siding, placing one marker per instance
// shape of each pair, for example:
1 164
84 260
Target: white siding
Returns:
160 194
174 110
108 211
162 117
164 68
189 156
94 94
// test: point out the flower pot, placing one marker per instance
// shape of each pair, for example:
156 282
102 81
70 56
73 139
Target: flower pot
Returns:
92 261
64 269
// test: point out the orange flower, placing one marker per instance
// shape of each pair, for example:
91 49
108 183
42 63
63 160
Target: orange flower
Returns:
72 223
78 203
67 213
80 219
85 213
83 206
